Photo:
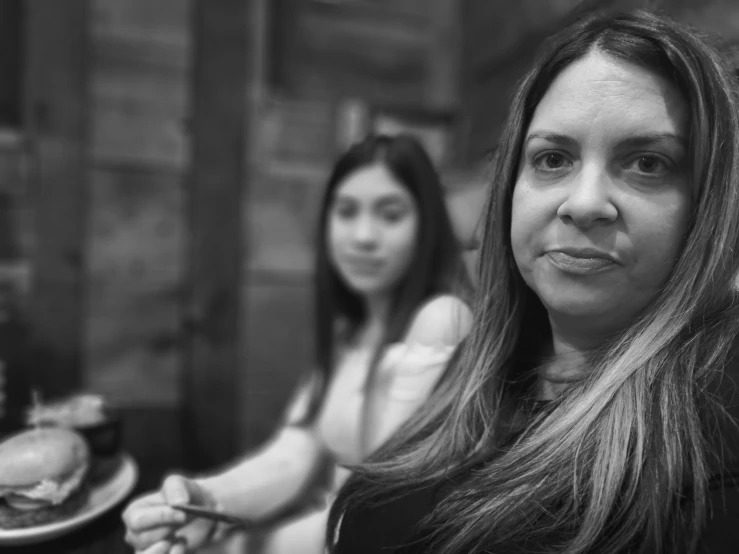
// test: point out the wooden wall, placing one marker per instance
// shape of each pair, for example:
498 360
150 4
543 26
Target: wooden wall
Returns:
136 241
138 160
11 63
396 52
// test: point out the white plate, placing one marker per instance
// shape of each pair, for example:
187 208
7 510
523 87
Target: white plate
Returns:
103 497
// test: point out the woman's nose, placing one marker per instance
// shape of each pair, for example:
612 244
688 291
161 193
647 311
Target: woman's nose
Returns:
365 230
588 201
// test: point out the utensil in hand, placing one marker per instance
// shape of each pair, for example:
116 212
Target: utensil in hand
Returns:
199 511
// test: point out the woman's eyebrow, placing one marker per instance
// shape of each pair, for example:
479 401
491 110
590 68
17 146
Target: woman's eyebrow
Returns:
382 201
556 138
654 139
391 200
638 141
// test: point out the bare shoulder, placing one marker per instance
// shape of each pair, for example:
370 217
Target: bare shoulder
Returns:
442 321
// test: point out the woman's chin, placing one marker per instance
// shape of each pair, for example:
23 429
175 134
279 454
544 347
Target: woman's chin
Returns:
367 285
579 306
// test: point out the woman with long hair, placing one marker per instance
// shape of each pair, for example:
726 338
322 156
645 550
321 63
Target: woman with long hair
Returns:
587 411
390 289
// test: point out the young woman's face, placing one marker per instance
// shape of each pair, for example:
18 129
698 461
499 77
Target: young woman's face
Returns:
372 230
602 200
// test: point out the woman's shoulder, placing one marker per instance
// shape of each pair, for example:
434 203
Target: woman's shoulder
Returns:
414 365
443 320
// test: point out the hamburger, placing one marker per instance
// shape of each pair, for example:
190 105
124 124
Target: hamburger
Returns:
92 417
42 476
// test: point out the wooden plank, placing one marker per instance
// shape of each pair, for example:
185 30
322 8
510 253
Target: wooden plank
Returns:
220 73
443 56
354 49
497 40
139 99
165 20
136 264
141 51
56 91
152 435
16 239
277 345
131 132
281 219
486 106
11 56
296 131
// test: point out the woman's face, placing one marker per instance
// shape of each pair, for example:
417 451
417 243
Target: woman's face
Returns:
602 199
372 229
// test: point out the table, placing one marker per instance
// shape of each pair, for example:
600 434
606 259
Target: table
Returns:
102 536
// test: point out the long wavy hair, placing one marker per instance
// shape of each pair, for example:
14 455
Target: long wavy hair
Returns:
621 461
437 267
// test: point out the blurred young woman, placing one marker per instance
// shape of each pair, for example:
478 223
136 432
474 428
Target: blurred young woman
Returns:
585 414
390 310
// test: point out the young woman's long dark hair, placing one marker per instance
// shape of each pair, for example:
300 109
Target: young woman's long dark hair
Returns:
622 460
437 267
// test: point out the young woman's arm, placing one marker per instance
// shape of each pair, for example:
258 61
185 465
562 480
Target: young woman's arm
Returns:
261 485
271 479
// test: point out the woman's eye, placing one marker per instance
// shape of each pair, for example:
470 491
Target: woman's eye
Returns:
393 216
551 162
649 166
345 211
554 161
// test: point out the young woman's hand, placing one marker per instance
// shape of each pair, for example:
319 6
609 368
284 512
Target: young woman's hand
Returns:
154 527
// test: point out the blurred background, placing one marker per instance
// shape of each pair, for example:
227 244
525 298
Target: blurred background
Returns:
161 164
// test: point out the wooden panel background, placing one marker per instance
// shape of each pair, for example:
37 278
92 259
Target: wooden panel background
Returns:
136 249
56 93
279 345
291 158
140 59
11 63
139 71
140 53
16 233
396 52
216 181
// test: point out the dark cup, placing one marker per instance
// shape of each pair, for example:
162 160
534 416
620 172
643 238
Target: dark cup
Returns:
104 438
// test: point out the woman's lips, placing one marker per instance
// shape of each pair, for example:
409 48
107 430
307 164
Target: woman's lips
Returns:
579 264
363 266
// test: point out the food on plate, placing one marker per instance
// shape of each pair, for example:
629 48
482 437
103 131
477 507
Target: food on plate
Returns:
83 410
88 414
43 476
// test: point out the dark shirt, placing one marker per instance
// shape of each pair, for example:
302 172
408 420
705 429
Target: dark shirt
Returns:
391 528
